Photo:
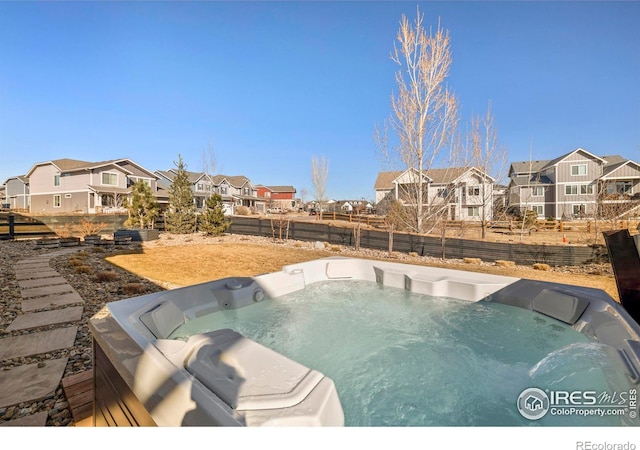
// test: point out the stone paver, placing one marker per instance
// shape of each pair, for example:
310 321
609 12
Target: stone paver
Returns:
42 287
48 290
41 282
35 265
30 382
40 319
31 275
50 301
34 420
40 259
42 342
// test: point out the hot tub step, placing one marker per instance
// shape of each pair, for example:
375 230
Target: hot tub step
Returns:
78 389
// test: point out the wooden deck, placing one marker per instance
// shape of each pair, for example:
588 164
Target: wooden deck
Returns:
78 389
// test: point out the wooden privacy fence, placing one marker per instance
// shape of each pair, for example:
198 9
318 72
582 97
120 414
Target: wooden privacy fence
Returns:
19 226
524 254
16 226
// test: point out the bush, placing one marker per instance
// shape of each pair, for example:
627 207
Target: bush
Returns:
106 276
84 269
88 228
76 262
243 211
133 289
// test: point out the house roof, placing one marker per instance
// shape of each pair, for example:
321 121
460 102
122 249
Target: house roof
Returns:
553 162
235 181
71 165
280 188
109 189
385 180
528 167
609 169
614 159
22 178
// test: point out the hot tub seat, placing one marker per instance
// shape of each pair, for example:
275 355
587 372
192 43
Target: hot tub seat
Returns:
260 385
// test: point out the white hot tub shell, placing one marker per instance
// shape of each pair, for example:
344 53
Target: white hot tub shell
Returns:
223 378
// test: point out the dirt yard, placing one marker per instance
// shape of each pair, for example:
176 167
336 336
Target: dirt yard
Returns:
180 260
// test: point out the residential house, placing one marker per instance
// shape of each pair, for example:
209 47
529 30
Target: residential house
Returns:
283 197
69 185
17 191
234 190
575 185
350 206
201 185
3 202
462 193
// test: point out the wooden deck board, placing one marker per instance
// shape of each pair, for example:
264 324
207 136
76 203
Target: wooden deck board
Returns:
78 389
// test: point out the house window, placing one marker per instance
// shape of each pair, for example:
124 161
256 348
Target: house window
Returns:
223 190
57 201
67 195
539 209
473 211
56 180
442 192
537 191
586 189
107 200
473 190
246 191
267 194
579 169
619 187
578 210
200 187
110 178
571 189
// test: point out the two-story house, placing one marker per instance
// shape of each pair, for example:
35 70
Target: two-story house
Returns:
69 185
461 193
201 184
234 190
238 191
574 185
16 192
283 197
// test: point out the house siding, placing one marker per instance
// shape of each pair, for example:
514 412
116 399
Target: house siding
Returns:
17 194
69 202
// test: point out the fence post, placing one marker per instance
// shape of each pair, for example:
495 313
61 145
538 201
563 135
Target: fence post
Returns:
12 226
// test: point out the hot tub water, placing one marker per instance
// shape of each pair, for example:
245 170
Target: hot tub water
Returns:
405 359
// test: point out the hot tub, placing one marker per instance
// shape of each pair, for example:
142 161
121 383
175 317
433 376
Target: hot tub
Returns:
222 353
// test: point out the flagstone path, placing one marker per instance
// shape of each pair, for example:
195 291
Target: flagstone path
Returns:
46 300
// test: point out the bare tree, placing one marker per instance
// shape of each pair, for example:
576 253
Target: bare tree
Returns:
304 193
484 152
319 175
209 164
424 114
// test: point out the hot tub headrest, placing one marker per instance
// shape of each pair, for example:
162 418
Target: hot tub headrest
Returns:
247 375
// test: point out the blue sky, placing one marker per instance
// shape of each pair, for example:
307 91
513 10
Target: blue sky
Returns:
271 84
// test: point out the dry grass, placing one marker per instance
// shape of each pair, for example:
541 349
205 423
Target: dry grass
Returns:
104 277
191 264
183 265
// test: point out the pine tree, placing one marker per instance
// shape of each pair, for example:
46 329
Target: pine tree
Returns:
212 221
181 216
142 206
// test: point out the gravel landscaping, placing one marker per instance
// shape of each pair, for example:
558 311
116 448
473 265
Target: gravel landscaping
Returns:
99 282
